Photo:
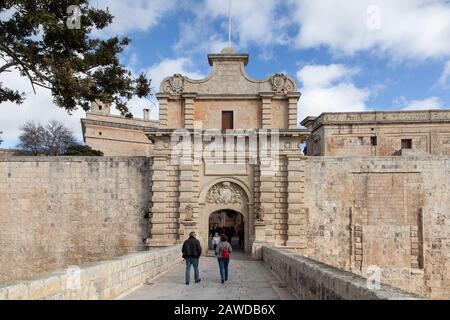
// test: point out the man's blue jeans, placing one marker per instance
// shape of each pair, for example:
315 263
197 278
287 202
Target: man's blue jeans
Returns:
192 262
223 267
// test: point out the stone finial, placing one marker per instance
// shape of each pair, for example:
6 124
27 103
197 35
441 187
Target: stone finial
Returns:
228 50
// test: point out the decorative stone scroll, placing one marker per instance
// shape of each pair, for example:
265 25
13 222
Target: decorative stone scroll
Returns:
174 84
226 193
282 84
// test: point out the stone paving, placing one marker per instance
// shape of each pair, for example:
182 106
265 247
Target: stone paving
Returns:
248 280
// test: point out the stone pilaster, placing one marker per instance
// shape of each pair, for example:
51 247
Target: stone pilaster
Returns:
267 198
293 98
187 228
296 211
163 105
266 111
260 239
189 111
186 209
160 209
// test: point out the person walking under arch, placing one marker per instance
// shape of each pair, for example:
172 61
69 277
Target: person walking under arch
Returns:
223 252
192 250
215 241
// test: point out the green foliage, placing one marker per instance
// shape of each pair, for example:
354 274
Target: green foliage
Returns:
76 67
83 150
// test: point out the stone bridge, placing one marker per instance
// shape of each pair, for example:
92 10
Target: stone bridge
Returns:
159 275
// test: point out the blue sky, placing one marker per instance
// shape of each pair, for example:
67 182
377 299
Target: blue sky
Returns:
346 55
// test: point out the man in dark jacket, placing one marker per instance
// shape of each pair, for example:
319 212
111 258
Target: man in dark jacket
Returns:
192 250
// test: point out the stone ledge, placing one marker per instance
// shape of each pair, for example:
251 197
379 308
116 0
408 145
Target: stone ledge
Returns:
312 280
102 280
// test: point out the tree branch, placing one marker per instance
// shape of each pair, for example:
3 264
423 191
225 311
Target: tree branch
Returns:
7 66
26 68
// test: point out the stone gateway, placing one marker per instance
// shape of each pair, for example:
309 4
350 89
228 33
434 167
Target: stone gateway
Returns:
355 191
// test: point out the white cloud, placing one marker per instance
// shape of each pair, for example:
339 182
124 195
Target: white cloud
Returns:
253 22
431 103
134 15
402 28
157 73
328 88
324 75
445 77
169 67
39 107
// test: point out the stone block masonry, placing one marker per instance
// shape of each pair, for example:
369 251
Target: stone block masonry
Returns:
95 281
385 212
56 212
312 280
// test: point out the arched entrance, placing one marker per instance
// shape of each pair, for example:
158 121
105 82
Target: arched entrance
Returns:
232 224
226 195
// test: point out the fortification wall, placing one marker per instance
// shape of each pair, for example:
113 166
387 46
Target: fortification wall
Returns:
56 212
387 212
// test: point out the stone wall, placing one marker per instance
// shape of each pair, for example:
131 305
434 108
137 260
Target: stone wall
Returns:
379 133
389 212
56 212
312 280
95 281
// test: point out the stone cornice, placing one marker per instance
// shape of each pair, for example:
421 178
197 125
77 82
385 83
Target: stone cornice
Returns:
239 57
197 96
378 118
242 133
85 122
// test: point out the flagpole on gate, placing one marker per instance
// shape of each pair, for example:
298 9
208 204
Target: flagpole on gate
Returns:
229 25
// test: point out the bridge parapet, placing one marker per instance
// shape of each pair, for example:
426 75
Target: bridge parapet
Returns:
103 280
313 280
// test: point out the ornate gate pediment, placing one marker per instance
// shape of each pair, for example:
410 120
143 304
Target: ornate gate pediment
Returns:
226 193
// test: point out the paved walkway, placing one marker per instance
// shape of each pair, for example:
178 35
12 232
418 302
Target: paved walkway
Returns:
248 280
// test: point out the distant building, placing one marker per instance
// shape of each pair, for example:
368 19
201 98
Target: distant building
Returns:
379 133
115 135
8 153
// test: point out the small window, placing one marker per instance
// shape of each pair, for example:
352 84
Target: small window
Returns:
406 144
374 141
227 120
